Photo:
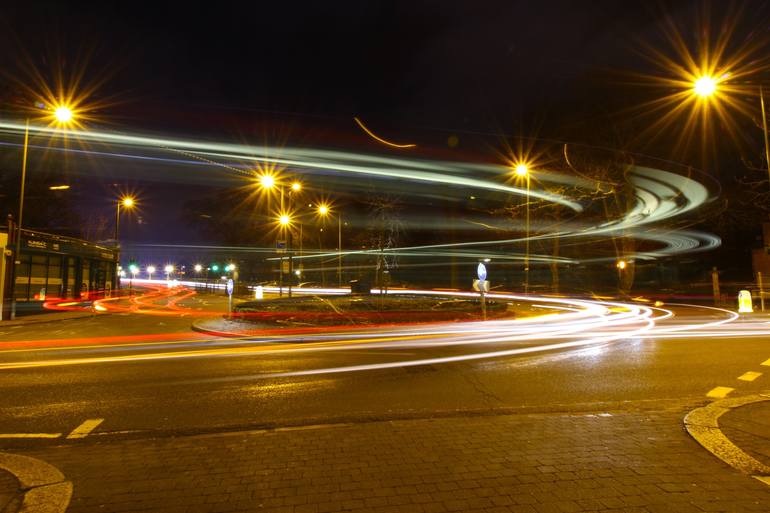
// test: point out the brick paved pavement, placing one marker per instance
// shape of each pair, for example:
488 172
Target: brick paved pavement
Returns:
9 493
526 463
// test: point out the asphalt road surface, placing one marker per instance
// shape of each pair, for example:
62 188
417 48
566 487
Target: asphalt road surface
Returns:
149 375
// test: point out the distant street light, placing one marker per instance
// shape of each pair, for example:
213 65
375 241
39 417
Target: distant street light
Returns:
150 270
169 269
622 264
198 268
125 202
324 210
296 186
267 181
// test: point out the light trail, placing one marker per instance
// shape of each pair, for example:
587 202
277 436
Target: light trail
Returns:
380 139
660 196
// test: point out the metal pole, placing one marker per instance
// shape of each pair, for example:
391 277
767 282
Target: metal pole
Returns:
715 284
339 249
764 128
291 262
117 224
483 301
17 256
761 291
526 255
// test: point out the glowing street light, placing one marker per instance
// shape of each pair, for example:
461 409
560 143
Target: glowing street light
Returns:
521 170
296 186
284 219
63 114
622 264
198 268
150 270
267 181
705 86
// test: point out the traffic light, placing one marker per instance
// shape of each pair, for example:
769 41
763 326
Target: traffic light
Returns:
215 267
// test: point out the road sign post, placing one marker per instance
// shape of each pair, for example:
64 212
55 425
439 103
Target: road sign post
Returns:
481 272
230 287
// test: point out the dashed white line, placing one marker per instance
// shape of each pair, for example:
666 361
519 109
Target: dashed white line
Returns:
85 428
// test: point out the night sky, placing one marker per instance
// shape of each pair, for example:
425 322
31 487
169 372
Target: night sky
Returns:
299 71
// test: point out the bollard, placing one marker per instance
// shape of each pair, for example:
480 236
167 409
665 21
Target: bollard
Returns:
744 302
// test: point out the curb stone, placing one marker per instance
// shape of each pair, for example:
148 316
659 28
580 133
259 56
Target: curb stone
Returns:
45 490
703 425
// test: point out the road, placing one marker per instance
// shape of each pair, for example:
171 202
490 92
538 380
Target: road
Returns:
591 359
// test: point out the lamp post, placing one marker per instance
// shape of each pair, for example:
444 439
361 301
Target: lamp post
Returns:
324 210
522 171
284 220
125 202
62 116
707 87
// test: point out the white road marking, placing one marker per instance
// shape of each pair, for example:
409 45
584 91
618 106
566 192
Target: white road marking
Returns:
749 376
85 428
719 392
30 435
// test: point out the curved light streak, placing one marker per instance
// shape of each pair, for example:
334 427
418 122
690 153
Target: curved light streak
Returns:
380 139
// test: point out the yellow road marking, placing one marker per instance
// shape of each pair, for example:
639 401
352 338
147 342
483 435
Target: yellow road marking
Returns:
30 435
719 392
85 428
749 376
766 362
764 479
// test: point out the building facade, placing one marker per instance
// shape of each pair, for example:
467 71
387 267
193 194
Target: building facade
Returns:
53 266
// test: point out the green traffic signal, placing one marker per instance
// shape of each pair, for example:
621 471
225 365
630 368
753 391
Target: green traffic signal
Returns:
214 267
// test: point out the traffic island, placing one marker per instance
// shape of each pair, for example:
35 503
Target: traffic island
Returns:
320 312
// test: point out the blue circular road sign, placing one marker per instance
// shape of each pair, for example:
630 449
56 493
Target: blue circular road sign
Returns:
481 270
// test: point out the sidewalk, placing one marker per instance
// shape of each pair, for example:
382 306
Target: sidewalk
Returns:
630 462
53 316
10 494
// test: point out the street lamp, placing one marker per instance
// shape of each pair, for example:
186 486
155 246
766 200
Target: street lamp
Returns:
169 269
522 171
63 115
323 210
198 268
707 88
150 270
125 202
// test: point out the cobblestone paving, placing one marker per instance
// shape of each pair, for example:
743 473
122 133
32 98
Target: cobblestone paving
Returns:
9 493
631 462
